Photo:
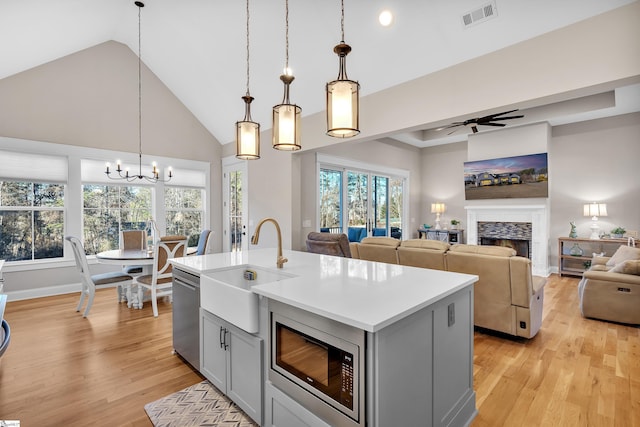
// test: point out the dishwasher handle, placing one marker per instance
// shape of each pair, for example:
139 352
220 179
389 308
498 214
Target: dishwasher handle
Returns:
185 284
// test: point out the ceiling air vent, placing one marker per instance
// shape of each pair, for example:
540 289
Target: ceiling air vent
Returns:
479 15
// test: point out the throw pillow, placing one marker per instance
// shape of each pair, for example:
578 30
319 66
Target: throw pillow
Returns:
627 267
624 253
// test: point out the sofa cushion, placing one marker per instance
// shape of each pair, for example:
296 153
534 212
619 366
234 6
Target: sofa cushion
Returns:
382 241
484 250
425 244
627 267
423 253
624 253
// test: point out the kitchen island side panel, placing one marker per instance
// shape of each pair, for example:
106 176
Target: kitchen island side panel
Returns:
419 368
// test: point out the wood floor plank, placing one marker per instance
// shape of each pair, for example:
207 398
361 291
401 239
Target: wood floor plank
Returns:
61 369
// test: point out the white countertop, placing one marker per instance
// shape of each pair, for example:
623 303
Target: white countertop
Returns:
367 295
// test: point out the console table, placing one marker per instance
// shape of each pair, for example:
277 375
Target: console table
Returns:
450 236
574 265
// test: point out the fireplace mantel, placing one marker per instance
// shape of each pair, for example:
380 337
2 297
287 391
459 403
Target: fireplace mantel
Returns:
537 215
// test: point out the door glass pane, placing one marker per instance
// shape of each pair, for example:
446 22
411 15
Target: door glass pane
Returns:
379 194
235 210
396 187
357 199
330 201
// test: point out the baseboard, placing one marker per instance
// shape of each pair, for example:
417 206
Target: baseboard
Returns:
44 292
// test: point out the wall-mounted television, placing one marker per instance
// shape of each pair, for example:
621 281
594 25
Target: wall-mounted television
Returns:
507 177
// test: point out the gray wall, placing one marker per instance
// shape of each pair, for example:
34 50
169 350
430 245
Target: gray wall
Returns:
90 99
595 160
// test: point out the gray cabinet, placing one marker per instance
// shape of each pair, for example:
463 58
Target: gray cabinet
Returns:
422 367
419 372
232 360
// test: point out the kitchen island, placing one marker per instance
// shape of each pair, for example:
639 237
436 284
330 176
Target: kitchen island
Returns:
416 324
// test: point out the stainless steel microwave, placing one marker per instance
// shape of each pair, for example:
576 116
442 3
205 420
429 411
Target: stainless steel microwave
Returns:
319 363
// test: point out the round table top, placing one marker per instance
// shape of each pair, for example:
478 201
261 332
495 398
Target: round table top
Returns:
122 256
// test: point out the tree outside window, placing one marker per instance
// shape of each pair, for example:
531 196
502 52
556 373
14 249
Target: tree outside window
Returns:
184 212
108 209
31 220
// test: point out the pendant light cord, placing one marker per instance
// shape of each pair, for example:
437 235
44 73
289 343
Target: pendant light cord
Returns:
247 47
342 19
286 26
139 95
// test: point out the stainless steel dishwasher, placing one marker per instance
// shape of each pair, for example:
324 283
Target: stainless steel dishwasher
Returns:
186 316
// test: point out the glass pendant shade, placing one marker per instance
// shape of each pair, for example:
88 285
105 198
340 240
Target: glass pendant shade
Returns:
343 114
286 121
247 135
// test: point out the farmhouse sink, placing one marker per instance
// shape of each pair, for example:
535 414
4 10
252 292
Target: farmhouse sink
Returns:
226 292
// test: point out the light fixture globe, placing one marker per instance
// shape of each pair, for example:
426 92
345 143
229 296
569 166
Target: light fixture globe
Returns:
247 134
343 97
286 121
247 131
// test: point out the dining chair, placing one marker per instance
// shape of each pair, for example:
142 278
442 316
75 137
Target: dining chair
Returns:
92 282
160 281
328 244
136 240
203 242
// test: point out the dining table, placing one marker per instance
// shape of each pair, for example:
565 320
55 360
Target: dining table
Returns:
123 257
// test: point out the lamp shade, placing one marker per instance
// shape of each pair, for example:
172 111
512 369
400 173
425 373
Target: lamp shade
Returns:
437 207
595 209
342 108
247 140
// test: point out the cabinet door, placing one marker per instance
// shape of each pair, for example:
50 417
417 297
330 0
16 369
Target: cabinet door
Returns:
213 355
452 358
244 369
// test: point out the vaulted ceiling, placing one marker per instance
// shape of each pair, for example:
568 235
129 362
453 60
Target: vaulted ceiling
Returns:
197 47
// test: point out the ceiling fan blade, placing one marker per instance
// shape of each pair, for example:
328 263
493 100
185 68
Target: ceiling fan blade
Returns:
493 124
498 114
506 118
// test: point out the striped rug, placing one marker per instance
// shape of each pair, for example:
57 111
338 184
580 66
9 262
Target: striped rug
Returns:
199 405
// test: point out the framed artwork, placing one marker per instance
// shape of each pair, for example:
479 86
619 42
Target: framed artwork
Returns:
507 177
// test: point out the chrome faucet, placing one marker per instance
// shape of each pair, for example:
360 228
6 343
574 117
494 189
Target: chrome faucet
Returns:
256 235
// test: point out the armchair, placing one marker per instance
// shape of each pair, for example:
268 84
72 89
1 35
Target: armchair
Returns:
611 292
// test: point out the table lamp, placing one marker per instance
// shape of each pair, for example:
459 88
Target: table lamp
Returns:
437 208
594 210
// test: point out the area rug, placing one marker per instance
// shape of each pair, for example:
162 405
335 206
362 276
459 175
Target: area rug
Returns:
199 405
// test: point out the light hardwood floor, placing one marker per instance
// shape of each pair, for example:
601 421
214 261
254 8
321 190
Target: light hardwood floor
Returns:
61 369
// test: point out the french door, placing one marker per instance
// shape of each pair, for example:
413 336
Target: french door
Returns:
360 203
234 203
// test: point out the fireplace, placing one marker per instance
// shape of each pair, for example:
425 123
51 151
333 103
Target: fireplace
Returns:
520 246
515 235
513 222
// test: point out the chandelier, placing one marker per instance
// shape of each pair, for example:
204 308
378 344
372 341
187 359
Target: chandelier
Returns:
286 116
126 174
343 95
247 131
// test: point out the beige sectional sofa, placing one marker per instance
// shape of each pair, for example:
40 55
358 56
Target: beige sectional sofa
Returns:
507 297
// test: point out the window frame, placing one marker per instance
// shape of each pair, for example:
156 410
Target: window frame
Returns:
73 204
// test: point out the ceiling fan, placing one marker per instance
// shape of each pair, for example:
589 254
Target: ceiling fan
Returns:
482 121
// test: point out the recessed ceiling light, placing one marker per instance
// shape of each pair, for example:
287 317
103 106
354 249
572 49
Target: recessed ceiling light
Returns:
385 18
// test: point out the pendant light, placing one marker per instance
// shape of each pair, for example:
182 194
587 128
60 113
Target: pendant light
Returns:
247 131
343 113
124 174
286 116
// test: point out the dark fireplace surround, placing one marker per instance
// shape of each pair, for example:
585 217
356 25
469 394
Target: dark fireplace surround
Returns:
516 235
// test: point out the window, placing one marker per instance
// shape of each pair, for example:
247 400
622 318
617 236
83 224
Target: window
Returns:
107 209
31 220
32 189
360 200
184 212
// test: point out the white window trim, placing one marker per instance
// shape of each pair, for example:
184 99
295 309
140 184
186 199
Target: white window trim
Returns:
73 205
324 161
